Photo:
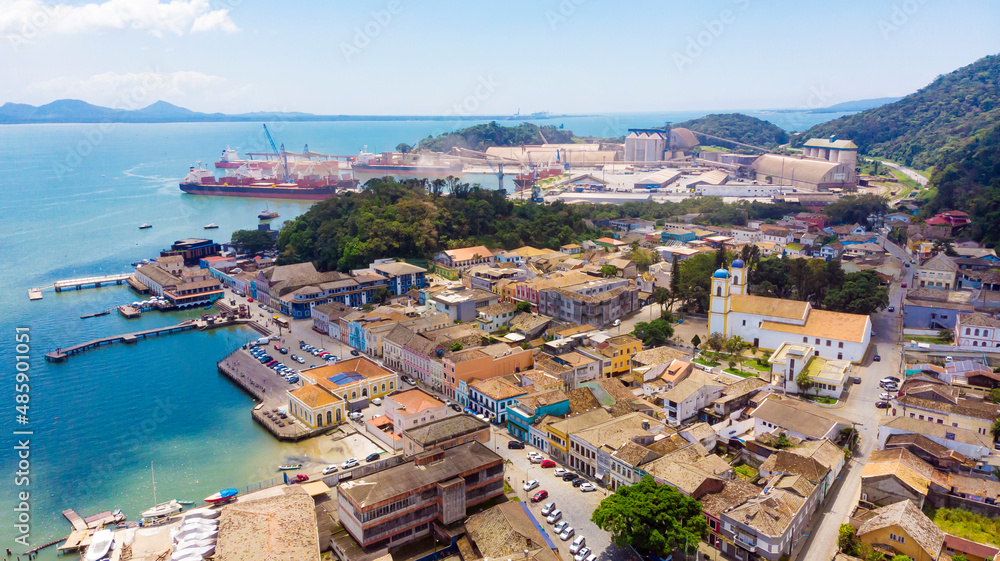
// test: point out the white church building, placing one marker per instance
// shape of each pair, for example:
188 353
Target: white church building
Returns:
767 323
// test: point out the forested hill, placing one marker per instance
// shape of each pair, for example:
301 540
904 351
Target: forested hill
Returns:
968 179
404 220
738 127
921 128
481 137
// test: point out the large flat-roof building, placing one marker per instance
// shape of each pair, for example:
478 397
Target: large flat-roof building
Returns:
401 504
329 391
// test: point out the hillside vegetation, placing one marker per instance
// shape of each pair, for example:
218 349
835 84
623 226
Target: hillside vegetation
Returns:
921 128
481 137
738 127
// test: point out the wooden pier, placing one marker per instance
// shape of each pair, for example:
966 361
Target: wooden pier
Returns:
61 354
88 282
74 519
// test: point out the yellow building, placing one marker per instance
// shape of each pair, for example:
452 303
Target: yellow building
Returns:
620 349
328 392
558 433
902 529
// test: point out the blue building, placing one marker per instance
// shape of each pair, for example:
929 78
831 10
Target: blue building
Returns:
529 408
400 276
492 397
678 235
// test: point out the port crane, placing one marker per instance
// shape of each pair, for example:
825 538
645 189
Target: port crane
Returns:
281 154
535 195
498 171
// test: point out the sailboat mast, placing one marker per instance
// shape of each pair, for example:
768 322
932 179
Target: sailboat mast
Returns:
153 475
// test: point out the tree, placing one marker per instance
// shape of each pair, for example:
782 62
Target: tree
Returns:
847 540
902 557
381 294
655 332
720 257
947 336
661 296
523 307
609 271
696 340
995 395
652 517
716 341
643 258
252 241
861 293
735 346
995 429
403 147
456 346
804 381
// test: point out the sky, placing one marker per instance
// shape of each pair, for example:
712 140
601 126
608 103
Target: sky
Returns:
400 57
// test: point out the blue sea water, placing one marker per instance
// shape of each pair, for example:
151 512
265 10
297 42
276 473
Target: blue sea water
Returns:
72 198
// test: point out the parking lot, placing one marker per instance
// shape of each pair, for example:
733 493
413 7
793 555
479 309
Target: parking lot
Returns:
575 505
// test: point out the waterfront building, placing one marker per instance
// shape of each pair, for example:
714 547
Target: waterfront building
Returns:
295 289
182 287
191 250
404 503
330 392
445 433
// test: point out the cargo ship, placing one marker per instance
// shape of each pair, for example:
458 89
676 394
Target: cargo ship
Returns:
231 160
252 183
394 162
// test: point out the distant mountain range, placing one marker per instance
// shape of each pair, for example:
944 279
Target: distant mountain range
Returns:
76 111
859 105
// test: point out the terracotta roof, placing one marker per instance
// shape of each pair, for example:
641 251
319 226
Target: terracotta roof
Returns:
415 401
734 493
826 324
904 466
908 517
935 430
787 463
633 454
964 407
497 388
505 531
769 514
313 396
581 400
807 419
773 307
467 253
445 429
978 319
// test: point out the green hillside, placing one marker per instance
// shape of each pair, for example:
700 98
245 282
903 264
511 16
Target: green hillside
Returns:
738 127
921 128
481 137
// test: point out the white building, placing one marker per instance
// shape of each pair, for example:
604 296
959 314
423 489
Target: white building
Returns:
645 145
977 330
768 322
687 397
740 190
827 376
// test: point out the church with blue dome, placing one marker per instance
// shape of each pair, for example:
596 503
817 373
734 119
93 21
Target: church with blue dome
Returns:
767 323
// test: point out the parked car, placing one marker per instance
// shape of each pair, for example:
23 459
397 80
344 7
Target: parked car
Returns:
567 533
377 401
903 285
591 557
579 481
554 517
300 478
535 459
569 476
883 404
353 462
548 508
332 468
577 544
515 445
561 526
857 379
885 396
354 353
892 308
540 496
530 484
456 407
373 457
548 464
890 379
588 487
877 358
582 554
559 472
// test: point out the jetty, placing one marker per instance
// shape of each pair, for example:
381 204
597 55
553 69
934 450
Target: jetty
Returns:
89 282
34 294
62 353
96 314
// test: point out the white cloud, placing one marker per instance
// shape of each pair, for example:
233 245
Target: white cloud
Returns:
29 19
139 89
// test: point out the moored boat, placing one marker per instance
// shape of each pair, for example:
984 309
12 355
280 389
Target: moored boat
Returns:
100 544
289 467
211 226
145 226
267 214
162 509
222 495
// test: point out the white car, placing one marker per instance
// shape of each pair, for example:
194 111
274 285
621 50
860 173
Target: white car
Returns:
531 484
561 526
567 533
559 472
554 517
535 458
577 544
588 487
591 557
377 401
332 468
885 396
582 554
548 508
353 462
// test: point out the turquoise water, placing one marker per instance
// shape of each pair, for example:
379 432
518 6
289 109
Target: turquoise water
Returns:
73 197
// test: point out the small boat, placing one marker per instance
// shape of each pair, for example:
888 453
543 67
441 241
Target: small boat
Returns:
145 226
208 307
266 214
100 544
211 226
289 467
222 495
162 509
185 503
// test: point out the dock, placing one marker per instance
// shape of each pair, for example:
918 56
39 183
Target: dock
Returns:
137 286
96 314
34 294
74 519
129 312
88 282
61 354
